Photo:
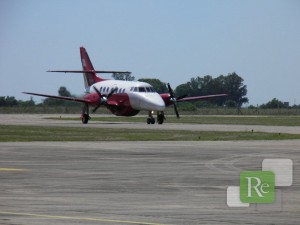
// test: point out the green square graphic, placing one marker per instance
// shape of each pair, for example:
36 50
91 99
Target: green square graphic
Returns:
257 187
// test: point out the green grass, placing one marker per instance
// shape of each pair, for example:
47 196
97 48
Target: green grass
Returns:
235 120
12 133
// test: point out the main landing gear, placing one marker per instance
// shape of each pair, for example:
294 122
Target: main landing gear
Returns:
160 118
85 114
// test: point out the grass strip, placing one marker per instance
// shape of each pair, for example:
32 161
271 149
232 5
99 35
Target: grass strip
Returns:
15 133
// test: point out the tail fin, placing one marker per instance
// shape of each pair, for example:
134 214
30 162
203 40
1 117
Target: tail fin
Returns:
89 77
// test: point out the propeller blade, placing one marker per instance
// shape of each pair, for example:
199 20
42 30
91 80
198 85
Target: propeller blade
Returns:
95 109
170 90
173 99
98 92
111 93
176 111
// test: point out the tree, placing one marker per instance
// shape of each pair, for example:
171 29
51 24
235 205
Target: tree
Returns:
27 103
182 89
159 86
123 76
234 87
230 104
8 101
62 91
232 84
274 104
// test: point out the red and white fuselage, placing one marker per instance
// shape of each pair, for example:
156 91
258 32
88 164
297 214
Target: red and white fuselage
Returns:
122 98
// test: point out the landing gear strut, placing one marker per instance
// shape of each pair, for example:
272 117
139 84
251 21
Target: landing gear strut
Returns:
150 118
85 114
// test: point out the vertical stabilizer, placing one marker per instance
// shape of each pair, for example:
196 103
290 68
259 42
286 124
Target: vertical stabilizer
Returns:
89 74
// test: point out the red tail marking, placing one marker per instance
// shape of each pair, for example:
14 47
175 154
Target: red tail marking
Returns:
90 77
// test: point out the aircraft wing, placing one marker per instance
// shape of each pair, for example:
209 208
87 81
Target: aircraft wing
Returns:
87 71
60 97
199 97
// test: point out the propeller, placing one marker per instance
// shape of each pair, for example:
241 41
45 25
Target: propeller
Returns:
103 98
174 99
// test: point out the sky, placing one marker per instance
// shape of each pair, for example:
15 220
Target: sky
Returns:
170 40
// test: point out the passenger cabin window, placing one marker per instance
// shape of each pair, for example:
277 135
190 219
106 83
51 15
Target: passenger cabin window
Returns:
142 89
100 89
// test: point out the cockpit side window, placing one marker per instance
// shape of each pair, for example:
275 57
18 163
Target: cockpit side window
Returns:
135 89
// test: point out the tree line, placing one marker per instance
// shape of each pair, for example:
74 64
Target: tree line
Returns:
231 84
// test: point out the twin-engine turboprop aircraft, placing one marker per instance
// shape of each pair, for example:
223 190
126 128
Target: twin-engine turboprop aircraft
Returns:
122 98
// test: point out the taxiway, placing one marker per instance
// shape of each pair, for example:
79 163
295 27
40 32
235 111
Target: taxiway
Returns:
150 183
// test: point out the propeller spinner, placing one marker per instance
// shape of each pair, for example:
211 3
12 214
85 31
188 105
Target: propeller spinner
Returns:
103 98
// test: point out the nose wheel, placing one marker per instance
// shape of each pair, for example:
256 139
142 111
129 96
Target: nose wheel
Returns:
150 119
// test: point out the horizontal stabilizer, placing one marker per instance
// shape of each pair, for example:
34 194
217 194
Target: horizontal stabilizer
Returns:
87 71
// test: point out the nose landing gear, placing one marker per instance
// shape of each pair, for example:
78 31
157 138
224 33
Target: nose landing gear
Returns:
150 119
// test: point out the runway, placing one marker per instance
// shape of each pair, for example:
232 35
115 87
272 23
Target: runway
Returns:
39 120
182 183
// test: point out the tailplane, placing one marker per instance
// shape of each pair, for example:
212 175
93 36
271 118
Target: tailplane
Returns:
89 73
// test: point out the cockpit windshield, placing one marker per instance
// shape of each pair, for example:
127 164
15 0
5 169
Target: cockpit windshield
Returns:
142 89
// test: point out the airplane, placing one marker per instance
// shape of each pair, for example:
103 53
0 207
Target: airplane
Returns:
122 98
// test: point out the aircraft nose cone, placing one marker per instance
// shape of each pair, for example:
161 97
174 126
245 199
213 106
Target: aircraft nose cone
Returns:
159 106
154 103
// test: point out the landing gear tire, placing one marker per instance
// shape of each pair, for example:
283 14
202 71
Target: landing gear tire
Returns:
160 117
85 114
150 120
85 118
